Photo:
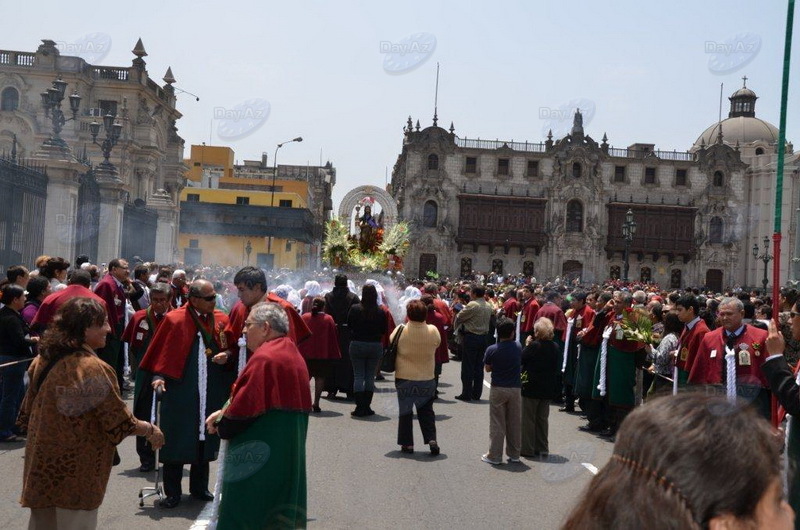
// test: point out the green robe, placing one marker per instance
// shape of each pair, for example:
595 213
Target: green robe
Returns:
265 471
620 378
180 417
585 373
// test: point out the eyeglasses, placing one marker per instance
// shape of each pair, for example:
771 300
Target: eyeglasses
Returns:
793 314
249 324
209 298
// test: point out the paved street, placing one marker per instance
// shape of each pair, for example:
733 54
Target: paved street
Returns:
357 477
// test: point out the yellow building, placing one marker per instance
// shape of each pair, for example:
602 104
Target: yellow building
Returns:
232 217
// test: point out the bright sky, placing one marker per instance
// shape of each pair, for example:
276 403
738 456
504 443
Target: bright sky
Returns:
336 73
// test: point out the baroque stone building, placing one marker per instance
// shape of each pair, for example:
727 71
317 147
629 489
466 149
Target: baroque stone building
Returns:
556 208
128 207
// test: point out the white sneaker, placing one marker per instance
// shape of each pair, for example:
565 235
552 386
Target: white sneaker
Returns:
486 459
513 460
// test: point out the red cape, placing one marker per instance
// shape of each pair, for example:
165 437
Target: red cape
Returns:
170 346
114 295
708 370
138 325
275 377
298 331
528 319
691 341
324 340
44 316
556 316
440 322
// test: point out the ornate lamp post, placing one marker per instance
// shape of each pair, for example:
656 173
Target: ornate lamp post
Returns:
248 249
113 129
51 101
274 176
766 257
628 229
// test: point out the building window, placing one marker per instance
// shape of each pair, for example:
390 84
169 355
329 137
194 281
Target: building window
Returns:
502 166
533 168
427 264
527 268
675 279
614 273
433 161
716 230
646 275
576 170
194 243
719 179
107 107
285 203
242 201
574 216
192 197
619 173
466 267
198 164
9 100
472 165
288 246
649 175
430 213
497 266
759 151
680 177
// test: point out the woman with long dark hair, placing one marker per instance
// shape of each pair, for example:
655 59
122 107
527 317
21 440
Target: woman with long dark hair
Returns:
367 323
75 418
688 461
15 347
321 348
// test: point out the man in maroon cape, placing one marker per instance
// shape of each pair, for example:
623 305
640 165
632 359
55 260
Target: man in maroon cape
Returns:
112 290
78 287
695 329
527 314
183 360
750 351
251 283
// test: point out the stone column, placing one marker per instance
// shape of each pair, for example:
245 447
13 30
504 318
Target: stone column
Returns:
61 209
167 230
112 204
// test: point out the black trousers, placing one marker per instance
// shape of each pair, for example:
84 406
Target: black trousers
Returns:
472 365
146 454
173 474
417 394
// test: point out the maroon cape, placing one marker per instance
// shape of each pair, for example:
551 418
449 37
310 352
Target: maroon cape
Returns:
511 308
529 311
275 377
556 316
298 331
324 340
689 344
707 367
440 322
44 316
114 295
170 346
138 331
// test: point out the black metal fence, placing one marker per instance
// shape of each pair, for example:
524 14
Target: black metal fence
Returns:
23 188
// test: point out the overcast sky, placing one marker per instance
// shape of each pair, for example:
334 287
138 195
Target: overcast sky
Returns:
346 75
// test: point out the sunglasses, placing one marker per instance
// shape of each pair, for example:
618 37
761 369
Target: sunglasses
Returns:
209 298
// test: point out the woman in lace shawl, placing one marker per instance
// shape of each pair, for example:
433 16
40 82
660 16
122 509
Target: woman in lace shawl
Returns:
75 418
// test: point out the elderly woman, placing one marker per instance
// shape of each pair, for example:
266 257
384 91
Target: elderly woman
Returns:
266 421
415 377
75 417
15 346
645 483
541 363
312 290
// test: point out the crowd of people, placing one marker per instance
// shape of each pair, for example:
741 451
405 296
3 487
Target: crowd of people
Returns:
229 354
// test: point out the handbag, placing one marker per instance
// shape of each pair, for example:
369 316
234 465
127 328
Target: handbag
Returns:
390 355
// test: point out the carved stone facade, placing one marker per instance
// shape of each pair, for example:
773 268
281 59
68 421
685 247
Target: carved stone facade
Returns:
148 156
556 208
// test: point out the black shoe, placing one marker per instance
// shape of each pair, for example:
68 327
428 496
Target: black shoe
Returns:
170 502
434 449
462 397
569 410
367 401
476 398
315 408
590 428
204 496
146 467
407 449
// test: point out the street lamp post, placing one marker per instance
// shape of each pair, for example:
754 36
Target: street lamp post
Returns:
248 249
274 176
628 230
766 257
113 129
51 101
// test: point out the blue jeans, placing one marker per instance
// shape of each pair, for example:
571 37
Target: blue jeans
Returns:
11 392
365 357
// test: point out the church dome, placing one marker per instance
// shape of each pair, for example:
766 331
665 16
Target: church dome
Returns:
741 125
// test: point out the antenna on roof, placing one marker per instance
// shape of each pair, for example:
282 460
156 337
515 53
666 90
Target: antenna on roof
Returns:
436 99
719 119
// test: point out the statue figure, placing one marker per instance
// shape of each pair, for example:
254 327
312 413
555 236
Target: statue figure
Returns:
368 230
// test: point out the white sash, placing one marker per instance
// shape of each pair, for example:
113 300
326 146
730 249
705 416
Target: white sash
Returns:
566 344
730 374
604 360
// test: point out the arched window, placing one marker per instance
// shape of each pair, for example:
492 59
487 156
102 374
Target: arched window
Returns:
430 213
9 99
497 266
615 272
646 274
576 170
759 150
433 161
574 216
719 179
466 267
527 268
715 230
675 279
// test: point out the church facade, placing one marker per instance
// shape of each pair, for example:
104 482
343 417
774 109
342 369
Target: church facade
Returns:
557 208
